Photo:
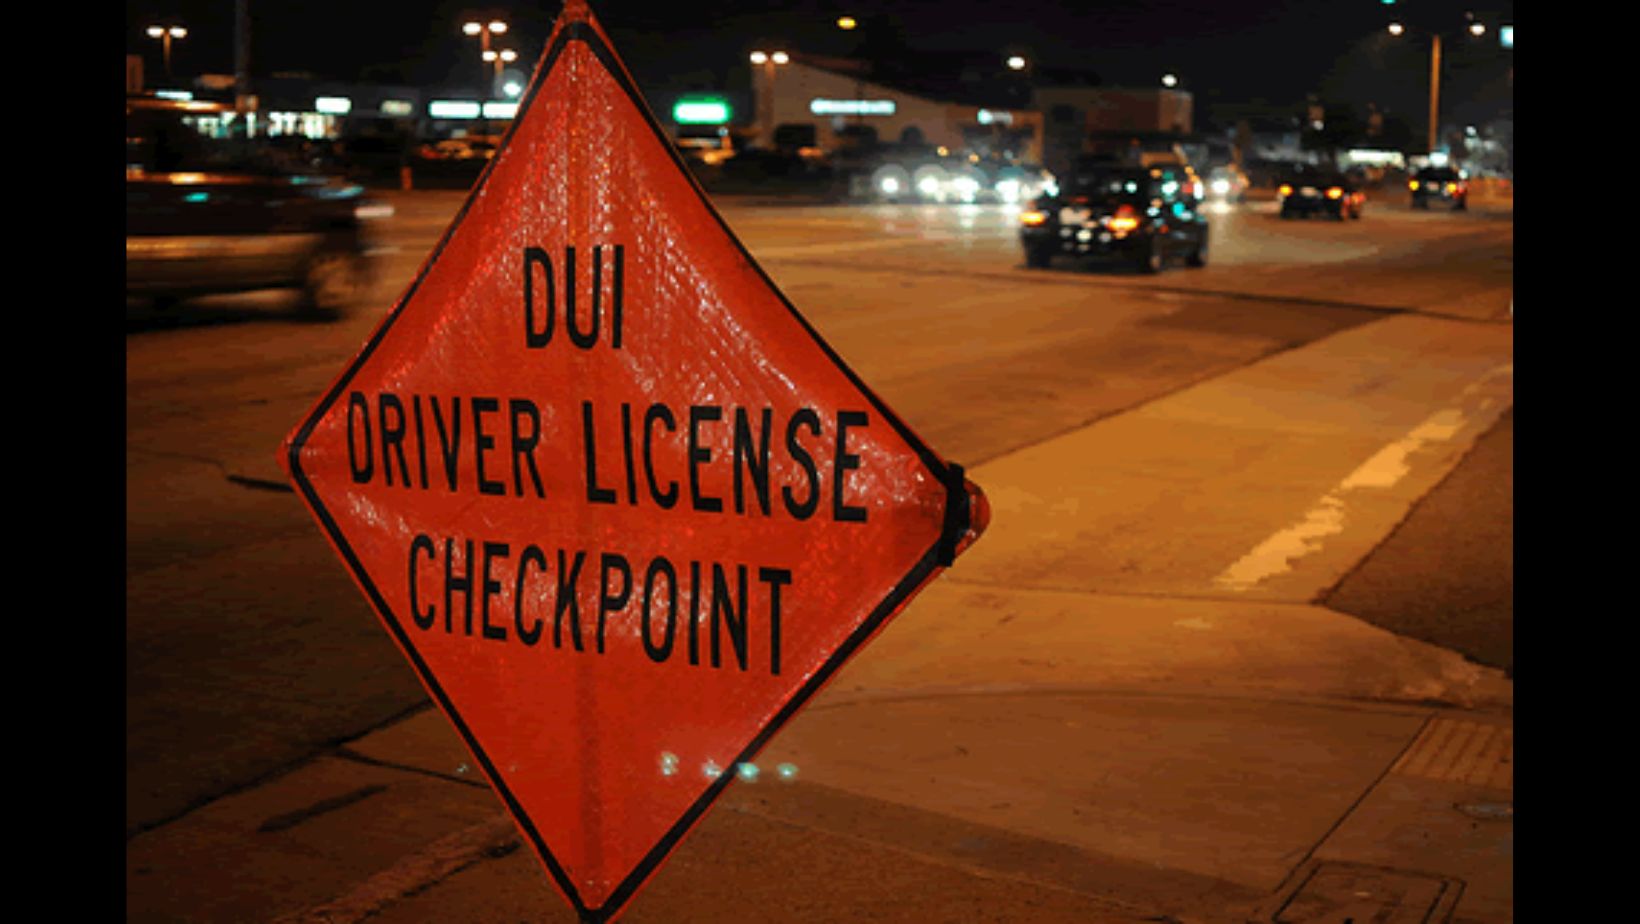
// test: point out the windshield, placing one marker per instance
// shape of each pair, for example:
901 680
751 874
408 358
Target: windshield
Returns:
1110 185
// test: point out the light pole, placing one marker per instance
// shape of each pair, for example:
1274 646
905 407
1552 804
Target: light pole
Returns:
504 56
484 31
1397 29
165 34
766 62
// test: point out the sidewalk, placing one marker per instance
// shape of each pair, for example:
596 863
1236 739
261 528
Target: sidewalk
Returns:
1080 722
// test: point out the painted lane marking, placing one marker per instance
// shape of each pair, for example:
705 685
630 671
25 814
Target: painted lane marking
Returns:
1278 552
876 243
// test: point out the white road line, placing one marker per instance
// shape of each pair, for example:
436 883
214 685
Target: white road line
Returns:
1277 553
876 243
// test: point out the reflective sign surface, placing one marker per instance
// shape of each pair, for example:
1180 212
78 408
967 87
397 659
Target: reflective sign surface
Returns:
618 503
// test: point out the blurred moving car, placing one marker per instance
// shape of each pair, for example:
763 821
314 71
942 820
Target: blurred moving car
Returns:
1228 183
913 173
710 148
208 215
1439 184
471 147
1320 192
1145 215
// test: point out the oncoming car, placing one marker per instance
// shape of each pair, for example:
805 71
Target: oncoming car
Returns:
1320 192
207 215
1228 183
1146 216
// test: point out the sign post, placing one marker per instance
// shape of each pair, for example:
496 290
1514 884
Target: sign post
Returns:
618 503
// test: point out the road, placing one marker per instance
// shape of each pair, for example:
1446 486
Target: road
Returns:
1311 432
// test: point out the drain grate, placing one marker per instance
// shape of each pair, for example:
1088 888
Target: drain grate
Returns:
1459 751
1352 893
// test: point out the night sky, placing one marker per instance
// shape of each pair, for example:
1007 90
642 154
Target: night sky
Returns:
1228 52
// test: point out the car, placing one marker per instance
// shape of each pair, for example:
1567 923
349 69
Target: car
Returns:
1146 216
465 148
1228 183
207 215
1320 192
1439 184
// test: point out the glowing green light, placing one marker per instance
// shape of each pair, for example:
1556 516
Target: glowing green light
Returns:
786 771
703 111
747 772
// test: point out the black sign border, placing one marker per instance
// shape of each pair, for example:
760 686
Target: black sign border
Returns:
583 31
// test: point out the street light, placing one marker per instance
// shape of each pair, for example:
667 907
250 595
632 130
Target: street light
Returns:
766 62
498 58
1016 63
1398 29
484 31
165 34
1170 80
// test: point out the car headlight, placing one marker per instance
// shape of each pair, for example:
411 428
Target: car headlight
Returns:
1008 190
1221 187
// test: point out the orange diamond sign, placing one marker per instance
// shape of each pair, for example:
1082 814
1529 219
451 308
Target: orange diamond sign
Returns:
619 504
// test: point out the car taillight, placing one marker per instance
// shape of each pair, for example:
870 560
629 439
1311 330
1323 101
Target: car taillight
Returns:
1285 190
1125 219
1033 217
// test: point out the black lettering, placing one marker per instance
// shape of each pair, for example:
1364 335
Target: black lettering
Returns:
700 455
449 441
661 413
483 442
566 601
626 444
620 289
423 618
491 588
775 578
533 339
421 439
735 623
806 417
595 494
584 340
523 446
755 459
663 650
392 436
530 554
358 408
452 584
843 462
694 612
612 562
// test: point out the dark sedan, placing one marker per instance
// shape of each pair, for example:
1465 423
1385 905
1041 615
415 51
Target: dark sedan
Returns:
1144 215
1326 193
205 215
1441 185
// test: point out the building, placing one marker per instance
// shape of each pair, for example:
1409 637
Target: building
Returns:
959 102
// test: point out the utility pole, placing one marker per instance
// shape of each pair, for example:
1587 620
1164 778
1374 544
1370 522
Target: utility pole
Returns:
243 101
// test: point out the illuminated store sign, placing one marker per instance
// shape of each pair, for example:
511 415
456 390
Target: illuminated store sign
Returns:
701 111
881 107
